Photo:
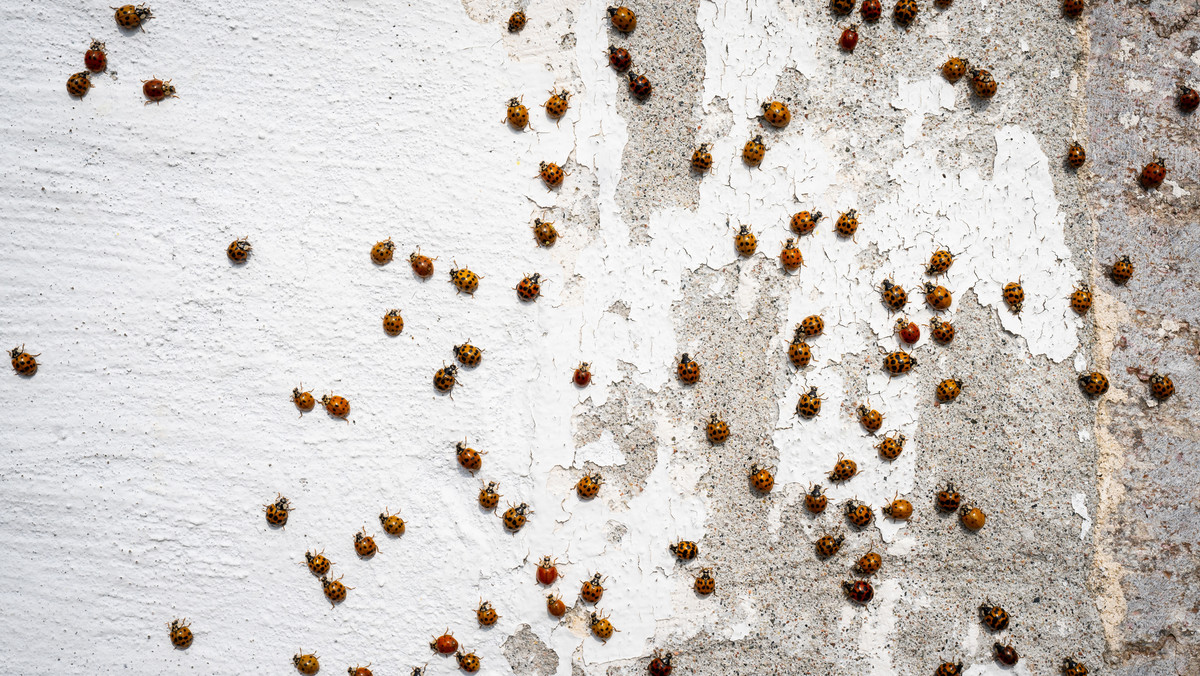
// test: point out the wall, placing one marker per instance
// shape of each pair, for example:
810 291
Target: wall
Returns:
160 421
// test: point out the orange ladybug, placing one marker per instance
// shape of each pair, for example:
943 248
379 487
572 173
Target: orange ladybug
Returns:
79 84
622 18
939 262
444 644
181 635
514 517
954 69
468 662
746 243
948 390
556 106
828 545
804 222
688 370
444 379
754 151
601 627
868 564
318 564
530 288
488 497
592 590
809 404
685 550
517 115
23 363
335 405
1121 271
422 266
790 256
393 323
799 353
463 279
306 664
938 297
486 614
843 470
812 325
1153 174
382 252
128 16
552 174
516 21
364 544
1076 155
588 486
814 501
156 90
555 605
547 571
238 250
277 512
468 355
1014 296
705 583
469 458
583 375
982 82
898 509
891 447
847 224
392 524
717 430
762 479
905 12
776 113
544 232
702 159
334 591
1161 386
1081 300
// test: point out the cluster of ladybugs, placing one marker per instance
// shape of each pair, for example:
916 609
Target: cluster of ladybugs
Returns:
96 59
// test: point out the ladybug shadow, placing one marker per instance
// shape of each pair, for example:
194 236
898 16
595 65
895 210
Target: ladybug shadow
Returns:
977 104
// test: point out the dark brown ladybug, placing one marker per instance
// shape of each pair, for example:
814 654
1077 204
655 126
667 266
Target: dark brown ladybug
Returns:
619 59
871 10
639 85
1072 8
1005 654
859 591
905 12
1153 174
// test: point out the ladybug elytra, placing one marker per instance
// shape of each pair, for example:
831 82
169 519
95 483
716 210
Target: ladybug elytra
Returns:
393 323
790 257
891 446
705 583
306 663
23 363
364 545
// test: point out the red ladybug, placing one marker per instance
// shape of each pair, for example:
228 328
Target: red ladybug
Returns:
444 644
1153 174
547 571
859 591
583 375
660 665
849 39
909 331
96 60
1189 100
639 85
619 59
871 10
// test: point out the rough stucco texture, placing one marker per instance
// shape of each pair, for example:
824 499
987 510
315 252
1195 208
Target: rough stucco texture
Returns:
137 460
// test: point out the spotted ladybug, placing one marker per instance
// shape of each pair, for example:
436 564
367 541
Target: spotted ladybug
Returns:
392 524
1072 9
1094 383
859 591
799 353
1188 99
702 159
486 614
688 370
954 69
812 325
776 112
938 297
897 363
277 512
95 57
893 295
1014 296
841 6
843 470
717 430
517 115
464 280
847 224
488 497
993 617
859 513
516 21
705 583
982 83
589 485
754 151
23 363
828 545
556 106
891 446
468 662
1072 668
639 85
444 644
157 90
815 501
949 669
551 173
948 390
745 242
939 262
334 591
1076 155
909 331
685 550
364 545
128 16
905 12
869 418
306 663
942 332
366 671
591 591
809 404
601 627
529 288
1121 271
762 479
422 266
1005 654
804 222
238 250
1161 387
181 635
544 232
1081 300
468 355
382 252
468 458
336 405
790 256
898 509
948 499
660 665
445 378
972 517
622 18
514 517
393 323
868 564
318 564
619 58
583 375
1153 174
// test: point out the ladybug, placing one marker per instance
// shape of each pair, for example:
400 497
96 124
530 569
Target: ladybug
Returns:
993 617
905 12
601 627
364 544
393 323
181 636
1188 100
1005 654
593 589
422 266
972 517
23 363
660 665
622 18
334 590
859 591
849 39
871 10
949 669
897 363
847 224
514 517
238 250
702 160
318 564
688 370
938 297
277 512
948 499
1081 300
828 545
717 430
815 501
619 59
869 418
551 173
777 113
391 523
530 288
859 513
954 69
1161 387
799 353
754 151
868 564
583 375
685 550
1121 271
95 58
156 90
306 664
1153 174
1014 296
894 296
898 509
1072 8
843 470
365 671
841 6
948 390
486 614
517 116
812 325
809 404
639 85
942 332
982 83
464 280
1093 384
939 262
745 242
804 223
381 253
909 331
1072 668
445 378
335 405
555 605
762 479
128 16
556 106
468 662
588 486
469 458
444 644
516 22
705 583
488 497
891 447
468 355
1076 155
790 256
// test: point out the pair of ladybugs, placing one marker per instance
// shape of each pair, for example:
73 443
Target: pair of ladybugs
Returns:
335 405
383 252
517 114
154 89
982 82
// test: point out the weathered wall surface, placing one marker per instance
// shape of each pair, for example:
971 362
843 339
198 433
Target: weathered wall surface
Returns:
139 456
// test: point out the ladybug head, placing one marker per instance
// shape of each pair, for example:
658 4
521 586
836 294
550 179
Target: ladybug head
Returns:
816 490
